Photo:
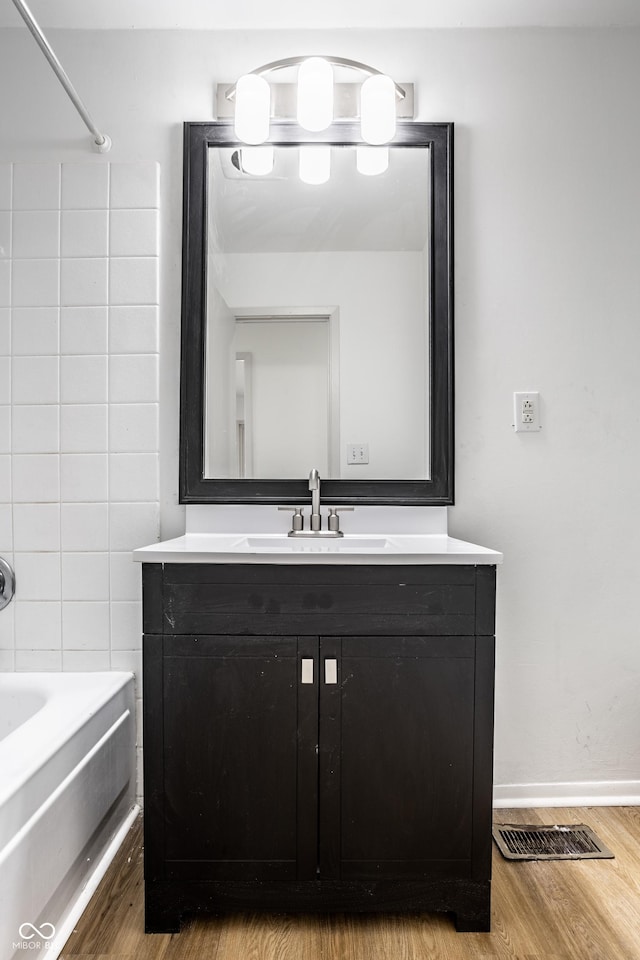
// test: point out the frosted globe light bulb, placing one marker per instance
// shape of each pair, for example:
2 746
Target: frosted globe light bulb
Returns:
378 109
253 107
372 161
315 94
257 161
315 164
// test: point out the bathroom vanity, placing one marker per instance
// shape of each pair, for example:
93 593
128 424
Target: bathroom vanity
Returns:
318 713
318 726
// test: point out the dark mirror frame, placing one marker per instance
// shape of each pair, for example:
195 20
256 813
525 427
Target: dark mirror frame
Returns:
194 487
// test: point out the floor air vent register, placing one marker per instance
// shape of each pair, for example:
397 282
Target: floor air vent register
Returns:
535 842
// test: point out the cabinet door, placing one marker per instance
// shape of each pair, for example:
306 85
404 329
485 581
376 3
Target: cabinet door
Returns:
396 757
239 758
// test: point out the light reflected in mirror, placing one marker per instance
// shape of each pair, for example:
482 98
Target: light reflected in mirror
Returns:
317 319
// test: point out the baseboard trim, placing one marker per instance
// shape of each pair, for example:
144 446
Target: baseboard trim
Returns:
593 793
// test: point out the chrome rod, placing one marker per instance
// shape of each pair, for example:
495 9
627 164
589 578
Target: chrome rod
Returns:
102 142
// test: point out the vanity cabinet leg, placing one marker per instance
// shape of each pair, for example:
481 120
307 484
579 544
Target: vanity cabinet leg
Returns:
162 910
474 911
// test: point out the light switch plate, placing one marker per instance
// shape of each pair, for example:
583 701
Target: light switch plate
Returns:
357 453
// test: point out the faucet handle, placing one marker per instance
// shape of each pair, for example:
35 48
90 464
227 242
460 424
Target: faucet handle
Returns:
333 523
297 522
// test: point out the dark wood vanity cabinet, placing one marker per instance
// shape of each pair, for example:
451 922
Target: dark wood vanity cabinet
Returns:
318 737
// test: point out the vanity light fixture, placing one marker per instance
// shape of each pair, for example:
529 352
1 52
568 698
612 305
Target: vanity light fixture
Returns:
315 94
315 101
372 161
257 161
315 163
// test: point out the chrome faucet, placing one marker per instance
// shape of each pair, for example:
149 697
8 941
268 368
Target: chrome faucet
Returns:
314 486
315 522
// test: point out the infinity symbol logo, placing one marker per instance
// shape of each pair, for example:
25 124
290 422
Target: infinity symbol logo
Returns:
46 931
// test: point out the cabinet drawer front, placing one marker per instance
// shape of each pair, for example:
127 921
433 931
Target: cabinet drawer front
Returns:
320 603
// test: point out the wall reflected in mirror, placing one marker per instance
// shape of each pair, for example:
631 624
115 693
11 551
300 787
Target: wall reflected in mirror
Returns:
317 319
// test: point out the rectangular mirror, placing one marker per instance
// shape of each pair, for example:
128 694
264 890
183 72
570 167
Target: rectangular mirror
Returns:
317 321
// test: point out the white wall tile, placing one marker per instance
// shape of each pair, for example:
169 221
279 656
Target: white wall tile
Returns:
36 526
83 330
133 476
139 721
133 280
85 576
64 308
85 186
6 532
5 234
135 185
85 526
83 379
131 661
133 379
36 233
38 625
36 186
126 626
37 576
5 429
133 525
7 638
28 661
5 331
5 478
85 660
35 380
5 380
5 186
34 330
35 283
7 664
83 428
35 429
83 283
126 577
36 478
84 233
84 477
5 283
85 626
133 233
133 427
133 329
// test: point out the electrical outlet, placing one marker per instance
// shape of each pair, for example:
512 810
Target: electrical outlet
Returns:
357 453
526 412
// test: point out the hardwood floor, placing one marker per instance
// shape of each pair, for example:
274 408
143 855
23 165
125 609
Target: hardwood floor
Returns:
542 910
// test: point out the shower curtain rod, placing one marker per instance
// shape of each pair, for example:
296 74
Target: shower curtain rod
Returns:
102 142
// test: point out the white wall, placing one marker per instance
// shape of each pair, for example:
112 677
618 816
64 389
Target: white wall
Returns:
547 212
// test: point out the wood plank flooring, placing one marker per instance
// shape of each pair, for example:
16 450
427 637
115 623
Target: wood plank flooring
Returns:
542 910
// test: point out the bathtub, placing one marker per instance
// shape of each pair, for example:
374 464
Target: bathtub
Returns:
67 796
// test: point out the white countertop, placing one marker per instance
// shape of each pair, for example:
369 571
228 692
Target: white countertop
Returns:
354 549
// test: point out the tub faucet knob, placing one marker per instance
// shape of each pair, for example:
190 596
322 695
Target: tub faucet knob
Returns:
7 583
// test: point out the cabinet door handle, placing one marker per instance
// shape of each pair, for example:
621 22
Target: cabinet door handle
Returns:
331 670
307 670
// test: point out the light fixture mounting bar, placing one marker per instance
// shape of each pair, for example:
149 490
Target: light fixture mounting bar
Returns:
288 62
283 101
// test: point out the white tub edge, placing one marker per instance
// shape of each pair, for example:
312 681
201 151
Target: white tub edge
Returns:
80 904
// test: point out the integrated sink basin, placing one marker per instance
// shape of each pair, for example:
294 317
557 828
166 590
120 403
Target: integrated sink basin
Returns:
320 544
